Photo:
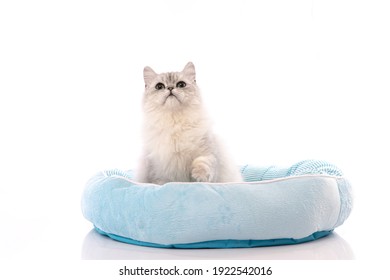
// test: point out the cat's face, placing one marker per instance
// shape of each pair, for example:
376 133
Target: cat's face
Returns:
171 91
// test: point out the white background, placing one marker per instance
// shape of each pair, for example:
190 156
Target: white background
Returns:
284 81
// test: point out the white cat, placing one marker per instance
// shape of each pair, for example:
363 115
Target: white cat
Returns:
179 145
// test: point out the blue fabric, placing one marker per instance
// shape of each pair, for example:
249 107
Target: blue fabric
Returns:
222 243
253 173
274 206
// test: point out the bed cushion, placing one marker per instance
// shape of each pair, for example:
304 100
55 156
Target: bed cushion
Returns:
274 206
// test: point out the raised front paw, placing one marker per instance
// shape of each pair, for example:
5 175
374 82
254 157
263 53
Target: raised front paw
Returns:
203 169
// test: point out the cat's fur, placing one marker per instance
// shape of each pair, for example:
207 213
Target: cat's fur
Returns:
179 145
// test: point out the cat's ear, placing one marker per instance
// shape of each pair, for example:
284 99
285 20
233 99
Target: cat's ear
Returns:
189 71
149 75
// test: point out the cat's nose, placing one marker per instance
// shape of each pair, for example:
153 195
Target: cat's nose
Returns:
170 88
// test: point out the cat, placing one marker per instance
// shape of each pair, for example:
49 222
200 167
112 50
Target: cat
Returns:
179 144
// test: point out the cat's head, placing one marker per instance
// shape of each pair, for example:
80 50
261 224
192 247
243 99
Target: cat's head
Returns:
172 90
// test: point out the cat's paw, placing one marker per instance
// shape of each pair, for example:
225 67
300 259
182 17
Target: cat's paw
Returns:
201 173
203 170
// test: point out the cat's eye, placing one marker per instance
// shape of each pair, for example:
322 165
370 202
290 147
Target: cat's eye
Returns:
160 86
181 84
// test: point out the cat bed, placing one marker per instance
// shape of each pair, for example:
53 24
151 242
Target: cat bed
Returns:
273 206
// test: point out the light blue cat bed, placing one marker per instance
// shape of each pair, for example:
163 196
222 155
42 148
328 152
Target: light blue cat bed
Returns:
274 206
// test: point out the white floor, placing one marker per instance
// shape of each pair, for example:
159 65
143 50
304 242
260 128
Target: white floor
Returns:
58 230
333 247
41 239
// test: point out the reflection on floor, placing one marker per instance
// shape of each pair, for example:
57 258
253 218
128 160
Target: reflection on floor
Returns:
332 247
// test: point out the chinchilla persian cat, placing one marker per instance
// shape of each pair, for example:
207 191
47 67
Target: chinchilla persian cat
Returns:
179 145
